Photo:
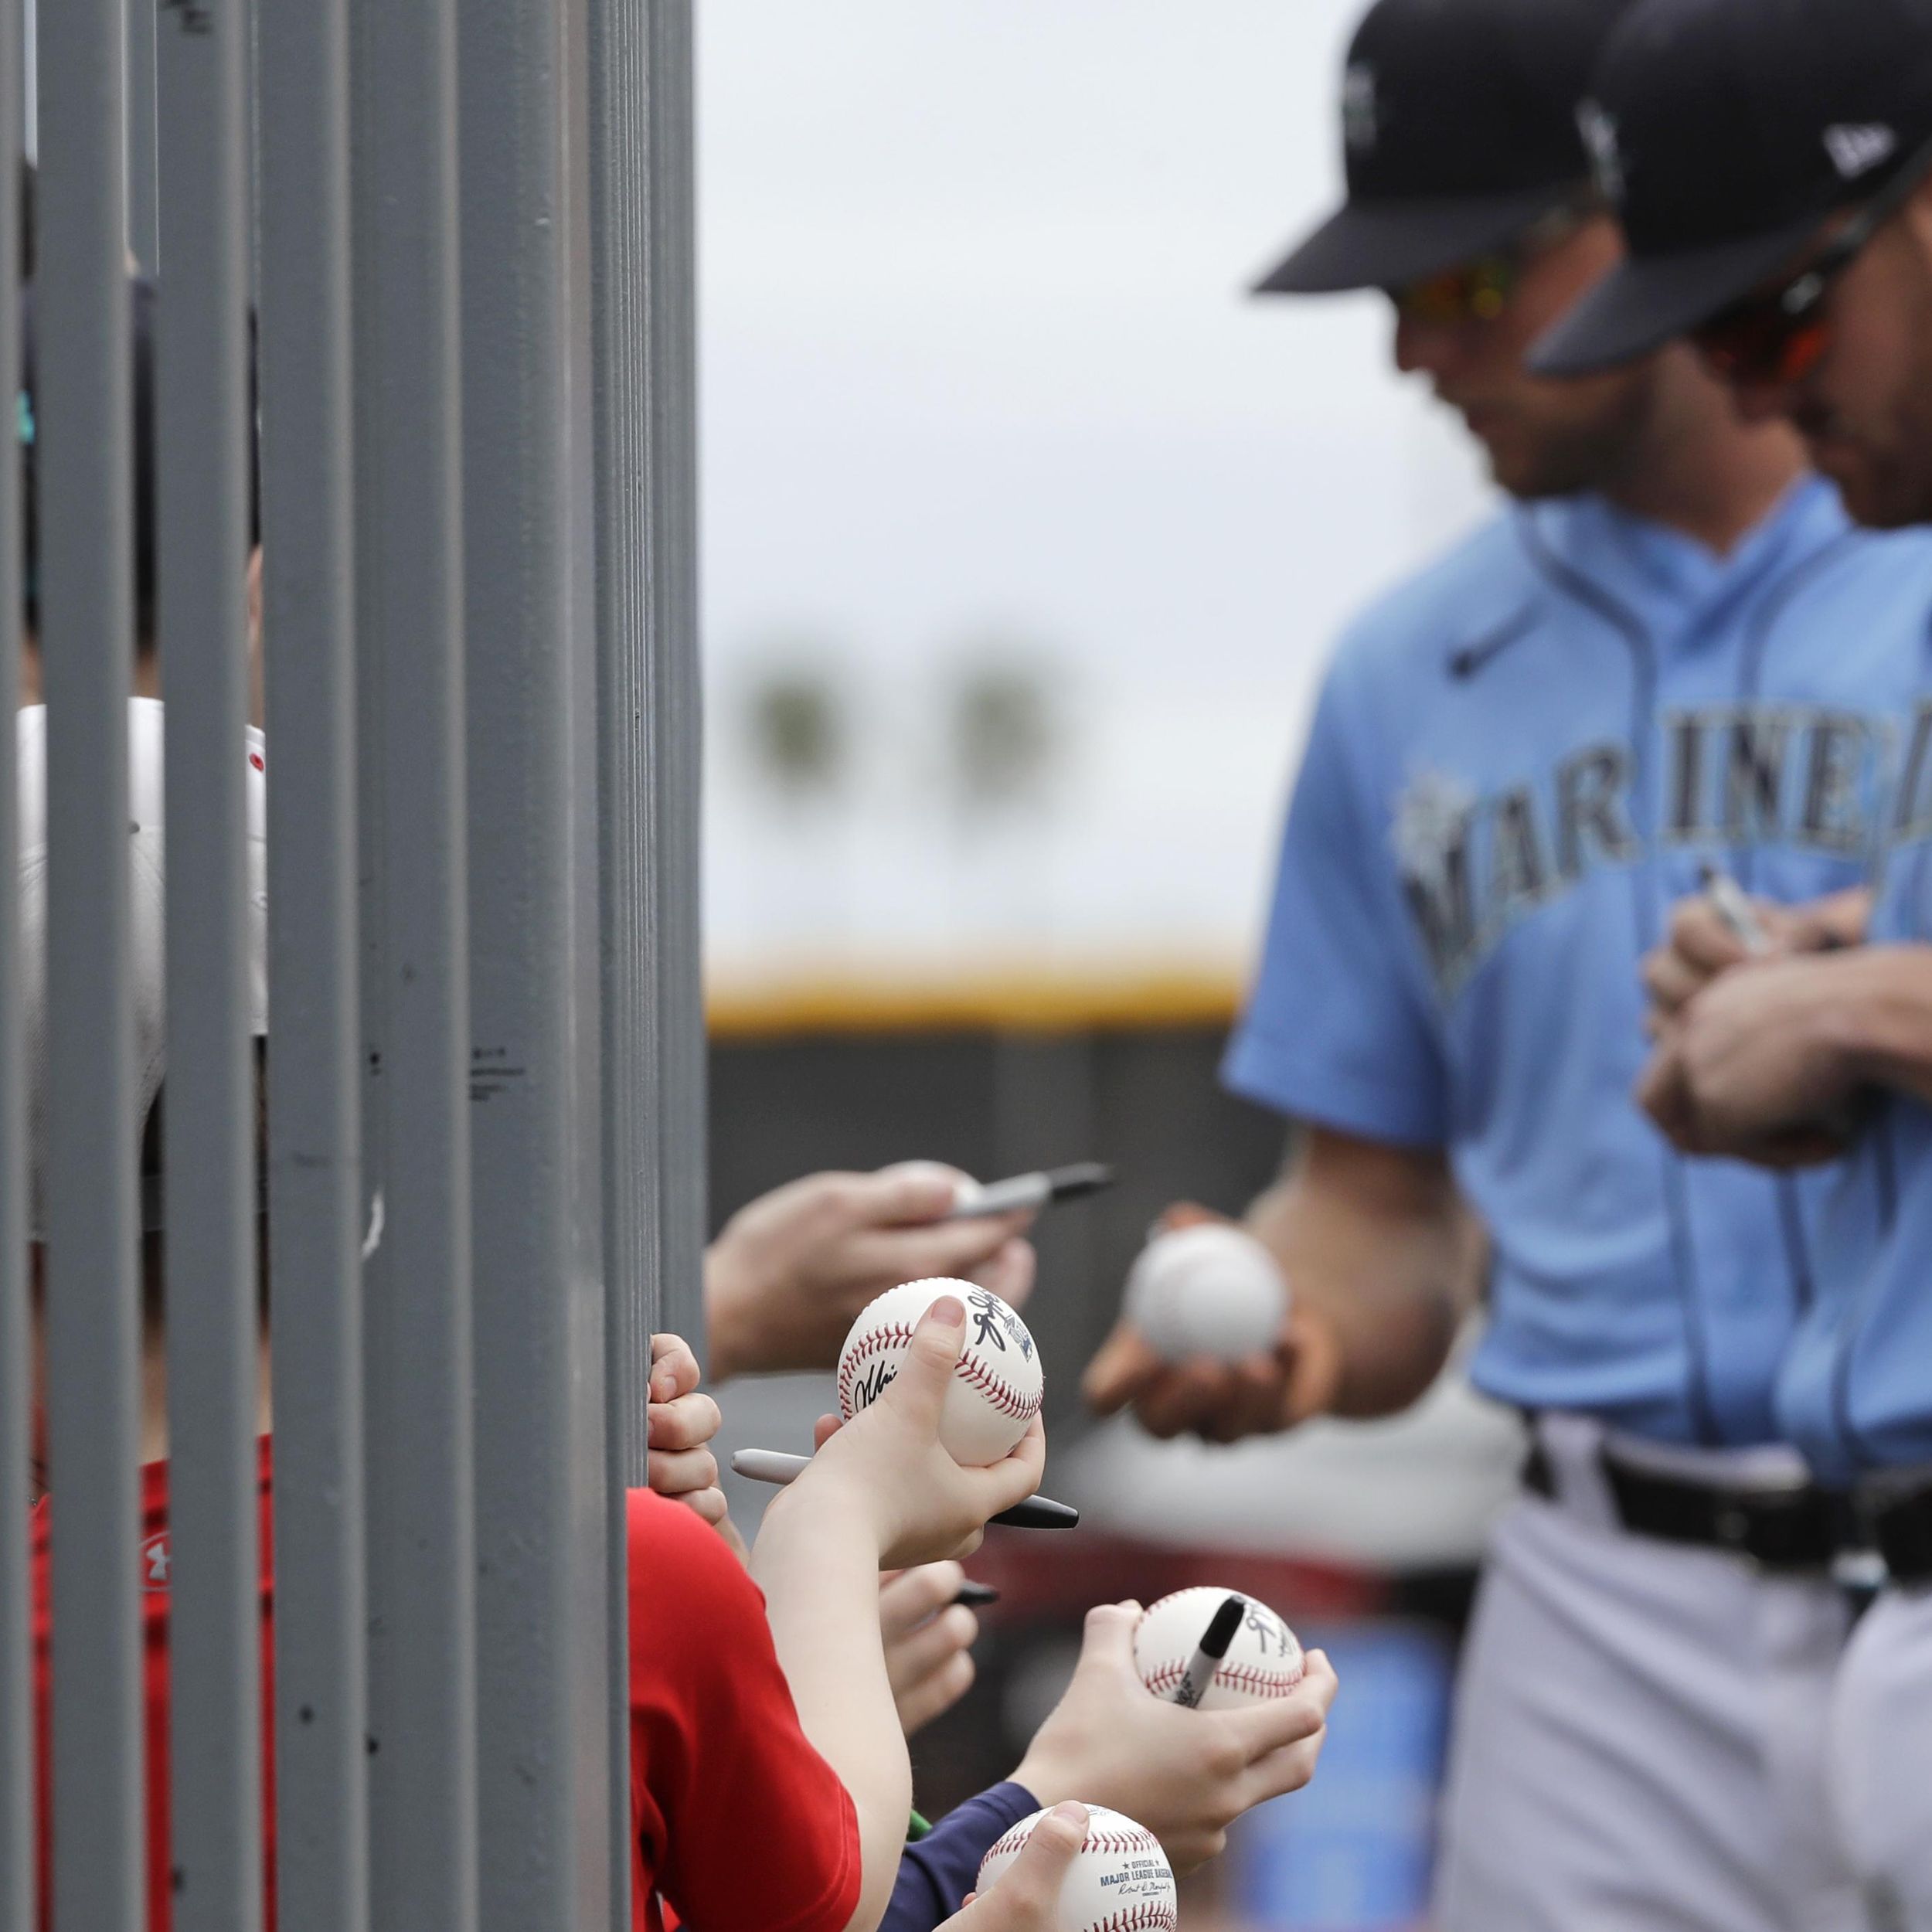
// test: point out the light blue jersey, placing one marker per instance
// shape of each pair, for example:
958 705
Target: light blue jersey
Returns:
1856 1392
1519 762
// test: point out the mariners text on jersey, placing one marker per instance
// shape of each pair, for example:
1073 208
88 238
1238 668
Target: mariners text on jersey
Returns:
1520 762
1734 775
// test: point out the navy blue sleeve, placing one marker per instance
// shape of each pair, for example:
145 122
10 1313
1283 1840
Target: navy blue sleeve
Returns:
937 1873
1339 1031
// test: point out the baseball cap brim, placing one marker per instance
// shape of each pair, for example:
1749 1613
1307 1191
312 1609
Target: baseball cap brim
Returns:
1389 244
1646 302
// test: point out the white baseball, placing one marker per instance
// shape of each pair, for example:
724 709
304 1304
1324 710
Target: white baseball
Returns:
1121 1881
996 1386
1211 1291
965 1188
1264 1661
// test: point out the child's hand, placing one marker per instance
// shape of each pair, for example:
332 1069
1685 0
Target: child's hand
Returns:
920 1504
1185 1774
1027 1898
929 1635
682 1422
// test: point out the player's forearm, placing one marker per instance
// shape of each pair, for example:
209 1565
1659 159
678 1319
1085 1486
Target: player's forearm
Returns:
725 1298
818 1568
1389 1258
1878 1016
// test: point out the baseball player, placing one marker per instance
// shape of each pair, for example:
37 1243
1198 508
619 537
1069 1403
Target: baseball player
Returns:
1802 269
1671 651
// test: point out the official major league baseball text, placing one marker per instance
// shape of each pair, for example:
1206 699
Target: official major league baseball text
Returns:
1121 1881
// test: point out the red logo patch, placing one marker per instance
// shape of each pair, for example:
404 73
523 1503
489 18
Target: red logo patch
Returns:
255 759
157 1565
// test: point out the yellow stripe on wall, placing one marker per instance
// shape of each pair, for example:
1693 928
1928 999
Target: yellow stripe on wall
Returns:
1017 1002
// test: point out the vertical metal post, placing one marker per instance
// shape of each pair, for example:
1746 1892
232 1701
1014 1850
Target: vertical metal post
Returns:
674 703
417 1348
643 224
533 1087
17 1847
86 613
643 261
203 435
315 1176
141 133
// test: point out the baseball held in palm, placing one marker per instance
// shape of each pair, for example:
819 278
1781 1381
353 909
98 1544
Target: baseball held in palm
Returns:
1264 1661
996 1387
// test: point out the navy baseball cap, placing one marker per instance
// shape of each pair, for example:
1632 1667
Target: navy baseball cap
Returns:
1725 132
1459 132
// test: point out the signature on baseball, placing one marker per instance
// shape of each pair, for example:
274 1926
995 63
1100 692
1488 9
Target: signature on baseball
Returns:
996 1322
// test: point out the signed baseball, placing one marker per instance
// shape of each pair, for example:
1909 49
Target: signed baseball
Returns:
996 1387
1264 1661
1121 1881
1211 1292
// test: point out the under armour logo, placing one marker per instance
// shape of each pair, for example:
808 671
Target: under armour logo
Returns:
157 1565
1856 151
1361 117
1599 130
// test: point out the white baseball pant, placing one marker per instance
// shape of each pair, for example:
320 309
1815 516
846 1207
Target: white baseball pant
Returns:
1881 1755
1639 1740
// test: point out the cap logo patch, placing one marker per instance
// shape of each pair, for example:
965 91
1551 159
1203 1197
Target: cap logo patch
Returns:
1361 116
1856 151
1599 130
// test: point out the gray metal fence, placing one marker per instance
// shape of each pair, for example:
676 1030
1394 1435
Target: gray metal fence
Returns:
460 239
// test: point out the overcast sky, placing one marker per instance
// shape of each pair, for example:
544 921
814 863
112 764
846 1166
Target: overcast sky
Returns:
977 361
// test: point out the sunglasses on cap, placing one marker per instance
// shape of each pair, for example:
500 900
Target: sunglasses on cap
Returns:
1479 289
1779 335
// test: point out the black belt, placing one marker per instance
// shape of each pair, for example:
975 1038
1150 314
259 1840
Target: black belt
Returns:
1901 1527
1802 1528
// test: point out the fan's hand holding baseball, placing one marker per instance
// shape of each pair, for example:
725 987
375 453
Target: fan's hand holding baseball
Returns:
929 1638
682 1422
893 1473
788 1275
1027 1897
1185 1774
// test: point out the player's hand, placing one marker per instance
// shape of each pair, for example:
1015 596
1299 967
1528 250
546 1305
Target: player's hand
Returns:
681 1421
1750 1067
788 1276
1185 1774
929 1639
1220 1402
1701 948
1027 1896
1217 1401
893 1473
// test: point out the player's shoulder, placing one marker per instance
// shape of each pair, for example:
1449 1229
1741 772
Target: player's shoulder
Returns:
1863 561
1482 588
1483 581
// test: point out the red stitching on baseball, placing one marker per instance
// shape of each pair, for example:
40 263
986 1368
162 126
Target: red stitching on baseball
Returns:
1139 1840
1009 1401
1248 1677
1140 1918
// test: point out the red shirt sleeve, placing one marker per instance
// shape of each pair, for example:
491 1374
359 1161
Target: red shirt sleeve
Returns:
737 1820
